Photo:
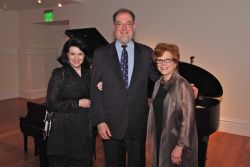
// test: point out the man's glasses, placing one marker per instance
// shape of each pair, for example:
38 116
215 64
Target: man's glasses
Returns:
127 25
164 61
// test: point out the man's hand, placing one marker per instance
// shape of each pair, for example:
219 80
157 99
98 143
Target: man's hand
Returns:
104 131
196 90
85 103
99 86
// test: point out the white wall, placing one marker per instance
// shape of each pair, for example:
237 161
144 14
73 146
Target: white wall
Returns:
9 83
28 53
215 32
38 51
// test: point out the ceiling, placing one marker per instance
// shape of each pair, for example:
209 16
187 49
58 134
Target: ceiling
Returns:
18 5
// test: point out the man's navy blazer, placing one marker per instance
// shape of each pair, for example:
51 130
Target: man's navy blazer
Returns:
124 110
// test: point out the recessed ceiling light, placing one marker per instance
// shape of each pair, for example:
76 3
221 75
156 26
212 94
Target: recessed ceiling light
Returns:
59 5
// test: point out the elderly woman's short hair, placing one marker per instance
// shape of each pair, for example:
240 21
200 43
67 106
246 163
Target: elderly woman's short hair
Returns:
163 47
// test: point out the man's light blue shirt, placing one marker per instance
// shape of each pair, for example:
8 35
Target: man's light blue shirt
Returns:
131 55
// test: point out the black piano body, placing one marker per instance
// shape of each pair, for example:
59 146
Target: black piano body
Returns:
207 104
207 107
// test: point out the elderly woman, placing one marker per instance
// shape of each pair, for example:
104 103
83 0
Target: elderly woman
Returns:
172 133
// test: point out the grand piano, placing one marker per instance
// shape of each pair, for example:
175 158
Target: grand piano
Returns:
207 102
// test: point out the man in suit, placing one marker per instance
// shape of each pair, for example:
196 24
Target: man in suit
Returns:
120 110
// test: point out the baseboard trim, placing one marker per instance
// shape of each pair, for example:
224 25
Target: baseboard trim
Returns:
28 94
235 126
33 94
9 94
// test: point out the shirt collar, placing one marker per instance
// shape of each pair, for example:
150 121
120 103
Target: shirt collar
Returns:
129 44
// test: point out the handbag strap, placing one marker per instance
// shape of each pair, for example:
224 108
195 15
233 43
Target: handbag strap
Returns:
62 78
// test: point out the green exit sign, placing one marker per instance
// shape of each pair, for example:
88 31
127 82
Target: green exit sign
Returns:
48 16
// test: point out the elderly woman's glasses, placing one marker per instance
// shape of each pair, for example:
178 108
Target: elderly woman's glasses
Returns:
164 61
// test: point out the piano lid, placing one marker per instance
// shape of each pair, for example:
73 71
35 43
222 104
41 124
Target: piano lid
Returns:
207 84
91 36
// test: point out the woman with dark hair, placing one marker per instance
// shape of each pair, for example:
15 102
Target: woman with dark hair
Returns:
68 98
172 132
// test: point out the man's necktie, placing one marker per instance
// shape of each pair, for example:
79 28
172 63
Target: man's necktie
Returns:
124 65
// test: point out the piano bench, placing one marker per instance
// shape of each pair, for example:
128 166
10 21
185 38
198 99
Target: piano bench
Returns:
32 124
28 131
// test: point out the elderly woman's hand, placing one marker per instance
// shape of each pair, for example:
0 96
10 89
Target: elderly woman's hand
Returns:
176 155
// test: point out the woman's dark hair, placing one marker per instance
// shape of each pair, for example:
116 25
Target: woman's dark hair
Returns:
64 60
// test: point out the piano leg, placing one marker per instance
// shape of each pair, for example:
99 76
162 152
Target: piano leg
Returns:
25 140
202 150
36 142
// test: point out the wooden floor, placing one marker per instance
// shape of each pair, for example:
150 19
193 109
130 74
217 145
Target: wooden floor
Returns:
225 150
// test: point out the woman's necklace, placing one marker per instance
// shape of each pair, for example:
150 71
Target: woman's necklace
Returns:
164 81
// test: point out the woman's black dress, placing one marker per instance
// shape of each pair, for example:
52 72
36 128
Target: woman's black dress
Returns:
158 108
71 133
